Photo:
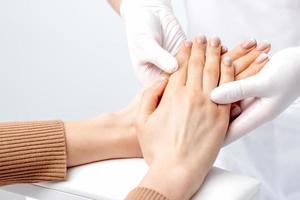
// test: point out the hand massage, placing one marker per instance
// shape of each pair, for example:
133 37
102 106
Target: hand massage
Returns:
206 101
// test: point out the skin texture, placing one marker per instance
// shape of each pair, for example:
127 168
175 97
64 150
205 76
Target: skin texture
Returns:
109 136
112 135
181 134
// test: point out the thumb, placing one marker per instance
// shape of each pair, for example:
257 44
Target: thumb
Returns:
151 98
237 90
158 56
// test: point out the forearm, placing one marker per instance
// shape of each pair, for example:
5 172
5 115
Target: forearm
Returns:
106 137
42 150
115 4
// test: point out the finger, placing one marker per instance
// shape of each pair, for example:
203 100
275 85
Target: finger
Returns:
251 118
196 63
148 74
155 54
212 65
235 111
227 75
238 90
254 68
247 102
242 49
244 62
151 98
178 78
224 50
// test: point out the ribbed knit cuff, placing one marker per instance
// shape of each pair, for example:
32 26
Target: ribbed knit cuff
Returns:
141 193
32 152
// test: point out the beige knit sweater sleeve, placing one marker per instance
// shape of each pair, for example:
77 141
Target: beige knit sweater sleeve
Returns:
32 152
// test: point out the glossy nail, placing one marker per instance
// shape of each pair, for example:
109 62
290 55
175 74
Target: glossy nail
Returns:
201 39
215 41
249 44
227 61
224 49
236 111
263 46
261 58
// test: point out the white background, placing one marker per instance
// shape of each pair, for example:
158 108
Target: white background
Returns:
63 59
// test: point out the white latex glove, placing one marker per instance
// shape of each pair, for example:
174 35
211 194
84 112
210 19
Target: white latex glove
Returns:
274 89
154 37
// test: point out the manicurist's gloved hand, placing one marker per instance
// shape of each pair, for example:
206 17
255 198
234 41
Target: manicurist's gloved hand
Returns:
154 36
273 89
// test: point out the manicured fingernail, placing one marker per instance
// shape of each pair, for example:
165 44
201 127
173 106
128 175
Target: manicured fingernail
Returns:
236 111
201 39
188 44
263 45
227 61
215 41
162 79
249 43
261 58
224 49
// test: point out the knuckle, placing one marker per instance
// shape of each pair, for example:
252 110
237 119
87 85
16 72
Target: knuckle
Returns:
194 98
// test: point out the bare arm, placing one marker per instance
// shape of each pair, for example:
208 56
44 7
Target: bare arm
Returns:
109 136
42 150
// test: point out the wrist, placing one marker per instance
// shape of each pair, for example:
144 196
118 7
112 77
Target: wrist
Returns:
105 137
174 182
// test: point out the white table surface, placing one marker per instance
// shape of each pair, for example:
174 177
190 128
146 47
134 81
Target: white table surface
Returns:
113 179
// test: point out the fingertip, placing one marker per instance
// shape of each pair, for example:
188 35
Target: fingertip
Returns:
216 96
227 61
172 66
168 64
224 49
184 52
188 44
215 41
201 39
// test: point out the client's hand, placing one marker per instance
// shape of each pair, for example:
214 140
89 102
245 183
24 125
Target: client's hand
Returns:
181 134
248 59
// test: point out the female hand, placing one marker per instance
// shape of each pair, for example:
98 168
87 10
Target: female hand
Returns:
274 89
181 134
248 59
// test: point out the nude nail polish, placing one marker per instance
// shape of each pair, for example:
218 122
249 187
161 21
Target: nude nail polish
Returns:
263 46
236 111
227 61
201 39
261 58
215 41
224 49
188 44
249 44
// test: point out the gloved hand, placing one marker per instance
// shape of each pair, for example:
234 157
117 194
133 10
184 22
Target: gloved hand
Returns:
273 89
154 37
